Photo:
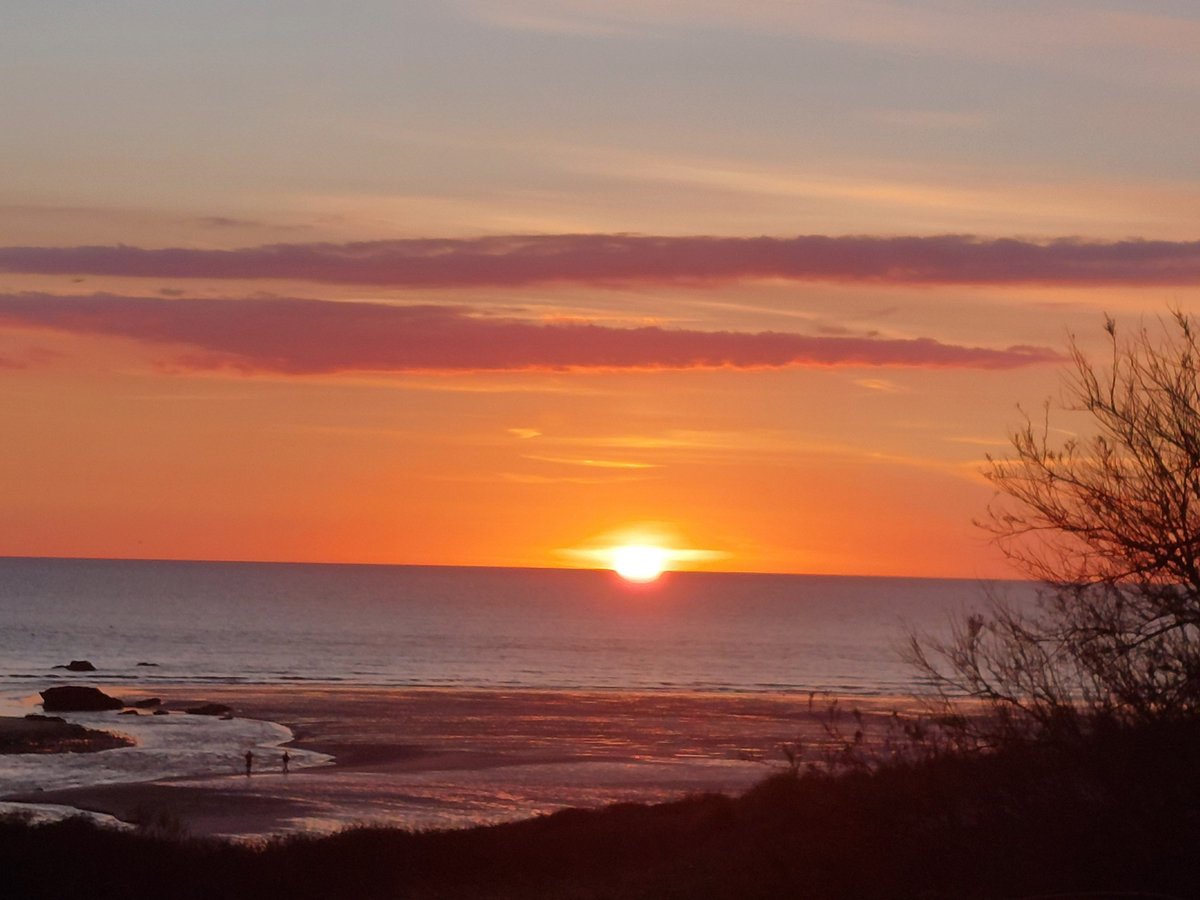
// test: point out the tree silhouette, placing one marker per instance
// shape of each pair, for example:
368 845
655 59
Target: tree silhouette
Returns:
1108 520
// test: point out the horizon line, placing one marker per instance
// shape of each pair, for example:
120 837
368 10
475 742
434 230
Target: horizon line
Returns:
528 568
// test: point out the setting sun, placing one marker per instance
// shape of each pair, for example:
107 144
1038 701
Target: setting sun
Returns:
639 562
640 553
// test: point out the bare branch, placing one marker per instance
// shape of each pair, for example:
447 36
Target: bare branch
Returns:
1109 522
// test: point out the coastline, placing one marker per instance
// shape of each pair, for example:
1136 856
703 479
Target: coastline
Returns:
425 758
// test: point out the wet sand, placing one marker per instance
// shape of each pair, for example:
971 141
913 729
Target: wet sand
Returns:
432 758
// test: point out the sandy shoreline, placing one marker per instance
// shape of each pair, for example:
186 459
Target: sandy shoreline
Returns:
426 758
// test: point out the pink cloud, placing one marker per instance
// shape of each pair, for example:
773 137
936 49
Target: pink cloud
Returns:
27 358
599 258
301 336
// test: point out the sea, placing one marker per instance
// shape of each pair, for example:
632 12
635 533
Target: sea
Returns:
412 626
192 624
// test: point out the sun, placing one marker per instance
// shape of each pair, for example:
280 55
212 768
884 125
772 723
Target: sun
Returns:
642 553
639 562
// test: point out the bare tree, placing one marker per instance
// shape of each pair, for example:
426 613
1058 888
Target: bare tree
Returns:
1109 522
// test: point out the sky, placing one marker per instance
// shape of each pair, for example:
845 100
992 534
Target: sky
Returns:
512 283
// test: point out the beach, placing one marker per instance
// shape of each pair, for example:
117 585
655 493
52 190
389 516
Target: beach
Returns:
440 758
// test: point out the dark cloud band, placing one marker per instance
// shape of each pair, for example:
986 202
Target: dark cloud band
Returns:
593 258
302 336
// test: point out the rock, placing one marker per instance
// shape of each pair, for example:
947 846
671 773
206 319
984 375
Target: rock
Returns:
210 709
161 712
147 664
49 734
148 703
37 717
71 698
129 712
78 665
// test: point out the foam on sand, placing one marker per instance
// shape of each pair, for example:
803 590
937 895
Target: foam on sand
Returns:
171 746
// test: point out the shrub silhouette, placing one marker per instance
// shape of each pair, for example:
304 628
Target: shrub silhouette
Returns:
1109 522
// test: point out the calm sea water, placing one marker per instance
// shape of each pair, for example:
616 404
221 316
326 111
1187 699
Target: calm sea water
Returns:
175 622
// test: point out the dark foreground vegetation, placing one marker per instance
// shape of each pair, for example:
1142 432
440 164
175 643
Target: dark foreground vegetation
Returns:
1115 814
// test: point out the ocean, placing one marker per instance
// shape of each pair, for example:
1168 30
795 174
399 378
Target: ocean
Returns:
230 623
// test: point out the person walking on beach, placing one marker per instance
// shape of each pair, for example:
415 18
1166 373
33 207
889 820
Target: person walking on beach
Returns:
286 759
249 762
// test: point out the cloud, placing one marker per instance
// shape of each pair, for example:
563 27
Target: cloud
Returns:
1075 36
228 222
593 463
603 258
521 478
27 358
303 336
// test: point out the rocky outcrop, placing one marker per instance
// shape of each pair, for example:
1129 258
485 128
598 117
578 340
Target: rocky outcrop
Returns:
72 698
49 734
78 665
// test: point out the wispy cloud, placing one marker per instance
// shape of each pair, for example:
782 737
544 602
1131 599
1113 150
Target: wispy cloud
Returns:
1064 35
593 463
525 478
601 258
671 440
880 385
303 336
26 358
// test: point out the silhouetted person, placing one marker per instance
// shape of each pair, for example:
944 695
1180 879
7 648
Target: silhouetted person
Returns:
249 762
286 759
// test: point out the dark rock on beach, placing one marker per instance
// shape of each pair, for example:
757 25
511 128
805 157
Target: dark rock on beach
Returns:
78 665
148 664
148 703
210 709
50 734
161 712
72 698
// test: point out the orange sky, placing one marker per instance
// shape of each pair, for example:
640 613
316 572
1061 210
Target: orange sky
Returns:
434 284
119 448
